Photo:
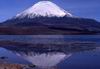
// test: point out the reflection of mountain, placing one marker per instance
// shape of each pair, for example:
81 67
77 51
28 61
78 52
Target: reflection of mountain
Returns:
43 60
48 56
47 48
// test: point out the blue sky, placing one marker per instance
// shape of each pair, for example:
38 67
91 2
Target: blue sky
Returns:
80 8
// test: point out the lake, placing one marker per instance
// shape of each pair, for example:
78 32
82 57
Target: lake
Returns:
51 51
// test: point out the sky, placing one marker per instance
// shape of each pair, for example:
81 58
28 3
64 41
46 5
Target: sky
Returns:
79 8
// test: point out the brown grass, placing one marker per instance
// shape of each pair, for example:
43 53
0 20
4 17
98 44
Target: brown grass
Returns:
11 66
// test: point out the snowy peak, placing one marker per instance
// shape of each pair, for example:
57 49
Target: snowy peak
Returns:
43 8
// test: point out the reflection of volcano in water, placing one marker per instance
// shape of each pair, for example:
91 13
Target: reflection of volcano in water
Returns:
44 60
48 56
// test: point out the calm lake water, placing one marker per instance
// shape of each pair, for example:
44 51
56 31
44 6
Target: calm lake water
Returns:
52 51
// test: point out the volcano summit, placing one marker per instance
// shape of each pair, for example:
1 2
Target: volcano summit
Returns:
46 17
43 8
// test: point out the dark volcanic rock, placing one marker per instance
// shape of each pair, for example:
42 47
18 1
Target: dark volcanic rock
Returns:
50 25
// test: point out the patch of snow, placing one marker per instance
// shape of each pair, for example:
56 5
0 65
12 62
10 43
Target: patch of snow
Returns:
44 8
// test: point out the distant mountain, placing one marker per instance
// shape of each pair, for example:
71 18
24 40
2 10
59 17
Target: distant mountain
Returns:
43 8
46 17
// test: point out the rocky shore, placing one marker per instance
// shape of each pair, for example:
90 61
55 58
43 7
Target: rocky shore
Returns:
11 66
16 66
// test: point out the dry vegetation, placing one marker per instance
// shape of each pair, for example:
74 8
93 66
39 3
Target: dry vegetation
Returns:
11 66
35 30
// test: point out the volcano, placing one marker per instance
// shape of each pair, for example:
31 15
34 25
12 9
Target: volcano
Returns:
46 17
43 8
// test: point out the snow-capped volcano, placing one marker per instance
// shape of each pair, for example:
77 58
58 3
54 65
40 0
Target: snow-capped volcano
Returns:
43 8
